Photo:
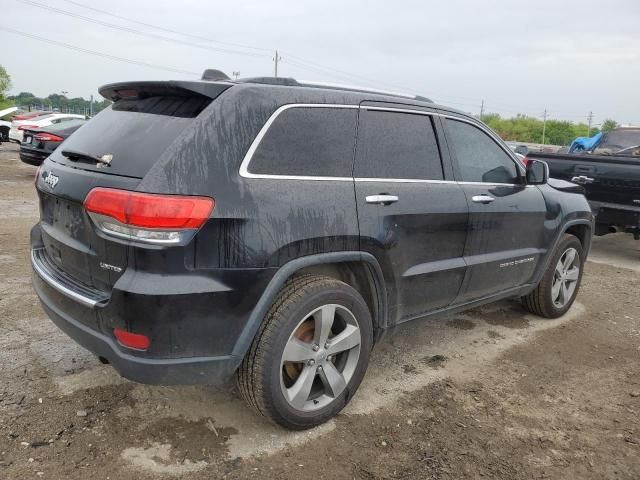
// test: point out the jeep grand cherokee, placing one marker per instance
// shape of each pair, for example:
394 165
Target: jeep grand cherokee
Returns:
273 230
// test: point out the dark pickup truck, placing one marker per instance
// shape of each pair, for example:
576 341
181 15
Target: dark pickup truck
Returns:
610 176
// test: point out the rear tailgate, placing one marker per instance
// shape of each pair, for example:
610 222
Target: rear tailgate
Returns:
135 132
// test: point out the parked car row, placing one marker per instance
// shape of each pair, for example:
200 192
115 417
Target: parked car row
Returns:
39 133
39 143
33 120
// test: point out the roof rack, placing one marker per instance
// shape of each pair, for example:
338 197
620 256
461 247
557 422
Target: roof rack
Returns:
292 82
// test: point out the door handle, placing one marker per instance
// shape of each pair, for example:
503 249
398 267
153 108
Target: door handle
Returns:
582 180
482 199
382 199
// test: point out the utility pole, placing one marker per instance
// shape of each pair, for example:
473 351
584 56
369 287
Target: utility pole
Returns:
590 118
481 110
91 108
544 124
276 59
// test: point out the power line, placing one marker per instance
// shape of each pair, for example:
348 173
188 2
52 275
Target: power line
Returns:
137 32
157 27
336 73
294 60
99 54
299 61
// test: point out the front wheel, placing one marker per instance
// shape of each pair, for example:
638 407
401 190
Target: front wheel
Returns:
559 286
310 354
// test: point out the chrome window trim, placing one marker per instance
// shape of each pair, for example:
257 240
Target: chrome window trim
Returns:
244 166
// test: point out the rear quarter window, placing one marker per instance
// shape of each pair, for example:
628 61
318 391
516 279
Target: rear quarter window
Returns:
307 141
397 145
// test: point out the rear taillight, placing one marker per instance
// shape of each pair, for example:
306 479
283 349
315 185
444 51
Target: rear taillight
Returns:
135 341
47 137
525 161
147 217
26 127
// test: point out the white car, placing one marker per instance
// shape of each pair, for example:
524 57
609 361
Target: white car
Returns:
44 120
5 126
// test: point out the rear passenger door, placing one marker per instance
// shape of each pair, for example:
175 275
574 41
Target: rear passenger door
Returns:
506 217
412 216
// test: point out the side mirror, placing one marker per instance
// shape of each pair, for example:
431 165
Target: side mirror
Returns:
537 172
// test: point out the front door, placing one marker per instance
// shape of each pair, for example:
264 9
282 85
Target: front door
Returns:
506 216
411 217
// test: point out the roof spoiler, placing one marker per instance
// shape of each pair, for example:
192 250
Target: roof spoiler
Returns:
144 89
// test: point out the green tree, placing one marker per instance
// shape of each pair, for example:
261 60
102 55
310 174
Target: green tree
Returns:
609 125
5 85
522 128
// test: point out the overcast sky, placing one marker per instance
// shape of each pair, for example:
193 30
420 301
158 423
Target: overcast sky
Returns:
569 57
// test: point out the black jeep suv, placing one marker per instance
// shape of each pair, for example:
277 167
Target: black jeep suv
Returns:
274 230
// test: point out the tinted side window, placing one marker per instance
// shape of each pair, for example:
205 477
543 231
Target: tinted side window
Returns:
397 145
308 141
479 157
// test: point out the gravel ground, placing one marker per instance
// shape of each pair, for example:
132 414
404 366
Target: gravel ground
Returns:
491 393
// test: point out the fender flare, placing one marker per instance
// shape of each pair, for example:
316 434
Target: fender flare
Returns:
580 221
290 268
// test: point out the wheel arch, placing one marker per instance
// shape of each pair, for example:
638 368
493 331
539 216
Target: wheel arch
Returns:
360 270
584 232
581 228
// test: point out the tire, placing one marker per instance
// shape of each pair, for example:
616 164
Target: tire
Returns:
547 299
287 354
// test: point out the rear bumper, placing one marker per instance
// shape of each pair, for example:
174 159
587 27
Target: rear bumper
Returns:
613 214
32 156
155 371
194 321
15 134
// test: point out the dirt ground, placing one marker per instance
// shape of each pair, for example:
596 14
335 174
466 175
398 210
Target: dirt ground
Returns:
492 393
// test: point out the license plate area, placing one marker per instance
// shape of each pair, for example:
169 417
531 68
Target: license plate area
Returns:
69 241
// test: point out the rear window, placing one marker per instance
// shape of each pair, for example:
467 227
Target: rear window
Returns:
136 132
308 141
172 106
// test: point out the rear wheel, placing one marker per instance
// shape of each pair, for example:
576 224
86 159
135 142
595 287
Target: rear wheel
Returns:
310 354
559 286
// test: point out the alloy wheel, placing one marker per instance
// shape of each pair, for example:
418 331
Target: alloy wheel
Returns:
320 357
565 279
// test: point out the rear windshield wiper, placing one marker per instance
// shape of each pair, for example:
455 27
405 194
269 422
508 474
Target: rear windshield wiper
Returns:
73 155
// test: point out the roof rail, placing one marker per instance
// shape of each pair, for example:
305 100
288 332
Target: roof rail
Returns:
292 82
357 88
